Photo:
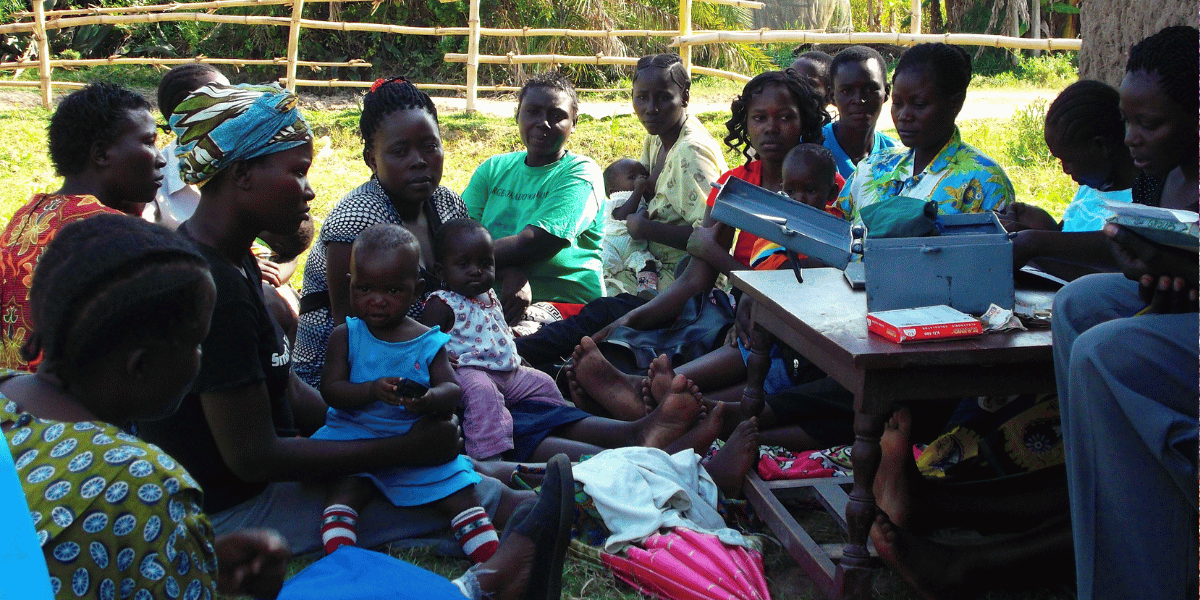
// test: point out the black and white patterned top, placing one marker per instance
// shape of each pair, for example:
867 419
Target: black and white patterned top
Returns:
363 207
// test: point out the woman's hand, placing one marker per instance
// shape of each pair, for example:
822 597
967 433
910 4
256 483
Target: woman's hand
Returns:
1137 256
252 562
1167 295
270 272
635 223
703 240
515 293
741 324
603 334
1020 216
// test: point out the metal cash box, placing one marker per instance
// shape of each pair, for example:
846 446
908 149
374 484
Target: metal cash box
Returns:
968 267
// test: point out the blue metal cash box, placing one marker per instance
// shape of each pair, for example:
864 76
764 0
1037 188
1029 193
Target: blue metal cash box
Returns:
968 266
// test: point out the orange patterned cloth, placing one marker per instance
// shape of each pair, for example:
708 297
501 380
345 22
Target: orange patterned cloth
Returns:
21 245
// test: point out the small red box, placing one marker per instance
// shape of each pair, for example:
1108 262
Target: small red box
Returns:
925 324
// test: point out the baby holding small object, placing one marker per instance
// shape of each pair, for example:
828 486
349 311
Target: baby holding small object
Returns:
385 373
481 344
625 182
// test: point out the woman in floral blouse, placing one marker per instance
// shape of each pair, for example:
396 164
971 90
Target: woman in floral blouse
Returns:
683 160
929 86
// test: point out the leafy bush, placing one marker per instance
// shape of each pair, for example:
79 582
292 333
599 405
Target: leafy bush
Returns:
1027 145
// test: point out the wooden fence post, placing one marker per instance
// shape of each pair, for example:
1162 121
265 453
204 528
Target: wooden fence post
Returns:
915 26
1014 15
1035 23
43 42
294 44
472 55
685 28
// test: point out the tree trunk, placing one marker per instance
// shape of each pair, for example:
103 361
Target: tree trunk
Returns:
935 17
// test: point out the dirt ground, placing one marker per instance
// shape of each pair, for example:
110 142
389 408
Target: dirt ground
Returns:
985 103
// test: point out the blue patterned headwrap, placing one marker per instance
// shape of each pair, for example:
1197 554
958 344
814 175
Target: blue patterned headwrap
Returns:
219 124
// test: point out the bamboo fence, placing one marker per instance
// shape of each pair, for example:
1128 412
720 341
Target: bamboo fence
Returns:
38 21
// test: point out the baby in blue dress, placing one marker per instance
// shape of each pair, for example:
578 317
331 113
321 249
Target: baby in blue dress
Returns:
384 372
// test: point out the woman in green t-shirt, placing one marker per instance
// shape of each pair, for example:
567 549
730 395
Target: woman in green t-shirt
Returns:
542 205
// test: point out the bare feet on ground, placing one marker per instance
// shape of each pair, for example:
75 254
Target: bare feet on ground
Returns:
700 438
673 418
933 570
601 384
657 384
658 381
730 464
896 468
506 574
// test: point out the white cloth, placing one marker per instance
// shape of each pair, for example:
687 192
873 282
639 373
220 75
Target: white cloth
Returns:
618 250
638 491
176 200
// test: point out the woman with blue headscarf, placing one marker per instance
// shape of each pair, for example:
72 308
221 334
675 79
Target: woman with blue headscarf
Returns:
240 430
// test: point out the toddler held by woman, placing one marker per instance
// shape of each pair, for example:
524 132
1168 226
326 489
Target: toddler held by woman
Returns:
384 374
481 343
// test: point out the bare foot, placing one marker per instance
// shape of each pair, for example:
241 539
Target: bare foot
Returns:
505 576
700 438
673 417
600 383
896 469
659 377
730 464
933 570
650 401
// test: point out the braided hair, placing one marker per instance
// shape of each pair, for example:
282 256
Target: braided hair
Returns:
108 280
552 80
813 115
86 117
386 97
854 55
950 65
1084 110
671 63
447 235
1172 54
182 80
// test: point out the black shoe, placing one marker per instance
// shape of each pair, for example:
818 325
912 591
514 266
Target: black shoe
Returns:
548 524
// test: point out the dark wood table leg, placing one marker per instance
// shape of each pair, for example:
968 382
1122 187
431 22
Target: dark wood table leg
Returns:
854 571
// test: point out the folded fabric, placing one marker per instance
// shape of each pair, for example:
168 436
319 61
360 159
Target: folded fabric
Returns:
901 216
638 491
775 462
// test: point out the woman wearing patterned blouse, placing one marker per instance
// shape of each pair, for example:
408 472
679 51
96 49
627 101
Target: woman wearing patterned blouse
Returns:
403 148
929 86
683 160
102 142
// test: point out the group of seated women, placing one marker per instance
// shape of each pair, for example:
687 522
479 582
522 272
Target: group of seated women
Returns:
133 330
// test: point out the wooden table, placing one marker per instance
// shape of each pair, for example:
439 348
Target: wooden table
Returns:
825 321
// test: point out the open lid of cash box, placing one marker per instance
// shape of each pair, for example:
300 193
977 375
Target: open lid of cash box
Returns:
797 227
